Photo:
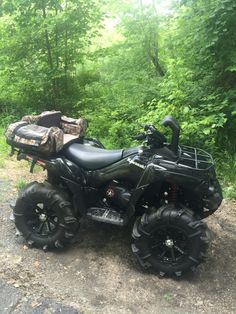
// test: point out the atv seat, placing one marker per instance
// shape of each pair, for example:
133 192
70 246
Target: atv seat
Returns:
92 158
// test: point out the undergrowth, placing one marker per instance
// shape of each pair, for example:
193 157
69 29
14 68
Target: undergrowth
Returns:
4 148
20 184
226 170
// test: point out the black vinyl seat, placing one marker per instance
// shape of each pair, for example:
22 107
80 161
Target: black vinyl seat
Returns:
90 157
131 151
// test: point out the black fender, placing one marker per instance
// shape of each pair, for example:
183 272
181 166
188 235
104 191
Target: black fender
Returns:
78 200
157 174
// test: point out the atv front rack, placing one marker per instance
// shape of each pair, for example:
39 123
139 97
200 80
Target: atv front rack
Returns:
194 158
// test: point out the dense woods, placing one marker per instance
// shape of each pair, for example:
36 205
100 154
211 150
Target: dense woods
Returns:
123 63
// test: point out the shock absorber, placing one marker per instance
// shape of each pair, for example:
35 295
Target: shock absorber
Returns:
173 196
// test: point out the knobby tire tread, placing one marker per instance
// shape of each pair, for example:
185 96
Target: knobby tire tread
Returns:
50 195
196 230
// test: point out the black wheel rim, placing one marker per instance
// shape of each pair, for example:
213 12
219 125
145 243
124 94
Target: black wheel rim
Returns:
42 220
169 245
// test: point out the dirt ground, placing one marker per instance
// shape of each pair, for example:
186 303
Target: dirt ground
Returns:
99 273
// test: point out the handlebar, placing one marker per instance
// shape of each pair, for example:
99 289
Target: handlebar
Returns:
140 137
157 139
153 137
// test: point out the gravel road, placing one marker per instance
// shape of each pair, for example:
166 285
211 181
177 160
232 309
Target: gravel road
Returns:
99 273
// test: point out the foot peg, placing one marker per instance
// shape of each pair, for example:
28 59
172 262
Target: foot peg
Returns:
107 215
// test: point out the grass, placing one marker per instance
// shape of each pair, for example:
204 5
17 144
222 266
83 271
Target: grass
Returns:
4 148
230 192
226 170
20 184
2 163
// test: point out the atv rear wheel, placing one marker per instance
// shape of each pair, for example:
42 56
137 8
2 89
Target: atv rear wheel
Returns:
44 216
170 240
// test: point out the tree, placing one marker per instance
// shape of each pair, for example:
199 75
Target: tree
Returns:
130 69
42 44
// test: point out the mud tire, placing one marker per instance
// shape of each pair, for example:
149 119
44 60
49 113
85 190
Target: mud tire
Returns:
55 203
169 218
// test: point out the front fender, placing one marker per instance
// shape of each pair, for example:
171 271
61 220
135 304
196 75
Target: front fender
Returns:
157 174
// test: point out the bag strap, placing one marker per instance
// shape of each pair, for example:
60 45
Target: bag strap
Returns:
12 150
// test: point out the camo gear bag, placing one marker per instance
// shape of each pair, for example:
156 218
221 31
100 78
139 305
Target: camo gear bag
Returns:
45 133
35 138
76 127
46 119
72 126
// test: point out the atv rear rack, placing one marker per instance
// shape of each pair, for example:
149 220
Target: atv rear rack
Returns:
195 158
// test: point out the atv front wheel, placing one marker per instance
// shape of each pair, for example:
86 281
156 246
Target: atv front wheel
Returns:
170 240
44 216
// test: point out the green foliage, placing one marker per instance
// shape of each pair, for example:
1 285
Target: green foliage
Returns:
204 47
225 166
145 77
4 148
42 43
229 191
20 184
132 65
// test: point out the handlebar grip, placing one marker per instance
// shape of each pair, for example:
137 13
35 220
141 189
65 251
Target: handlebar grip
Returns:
149 127
140 137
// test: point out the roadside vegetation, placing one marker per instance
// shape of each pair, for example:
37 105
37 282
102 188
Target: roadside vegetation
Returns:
124 63
4 149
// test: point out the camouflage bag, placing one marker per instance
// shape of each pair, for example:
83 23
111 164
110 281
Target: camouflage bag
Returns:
47 119
12 129
34 138
72 126
30 119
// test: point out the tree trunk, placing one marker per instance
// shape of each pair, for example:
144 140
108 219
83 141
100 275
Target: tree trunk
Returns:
57 82
48 46
66 55
158 67
49 53
56 40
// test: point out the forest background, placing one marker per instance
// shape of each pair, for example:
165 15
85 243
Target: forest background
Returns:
122 63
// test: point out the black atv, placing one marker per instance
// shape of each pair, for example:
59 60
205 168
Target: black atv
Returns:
167 188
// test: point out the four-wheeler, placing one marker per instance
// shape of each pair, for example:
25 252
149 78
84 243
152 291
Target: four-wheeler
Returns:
165 189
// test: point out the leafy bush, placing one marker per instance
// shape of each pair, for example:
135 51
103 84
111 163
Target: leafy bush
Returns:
145 67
